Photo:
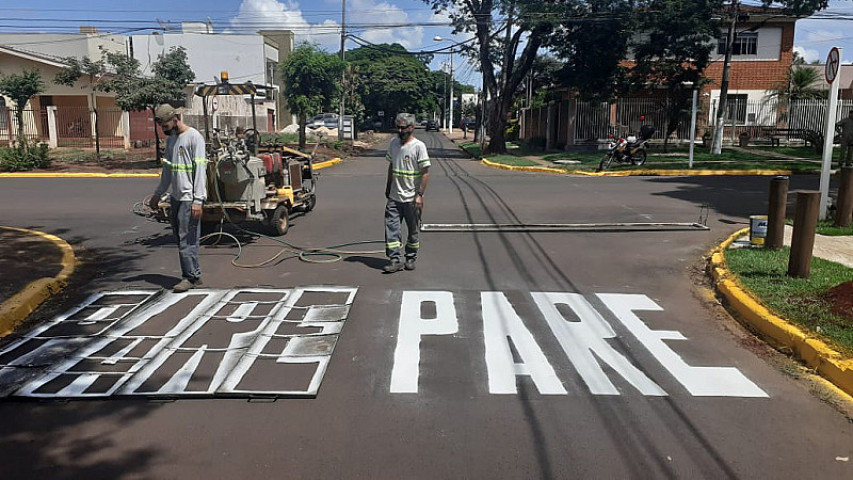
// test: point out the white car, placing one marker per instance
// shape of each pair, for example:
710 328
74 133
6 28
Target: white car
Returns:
328 120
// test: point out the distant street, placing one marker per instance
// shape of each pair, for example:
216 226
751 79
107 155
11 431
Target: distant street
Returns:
503 355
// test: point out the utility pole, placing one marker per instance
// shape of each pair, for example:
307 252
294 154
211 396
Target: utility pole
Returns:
343 71
717 144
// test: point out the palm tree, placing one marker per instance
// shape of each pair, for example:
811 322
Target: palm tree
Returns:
801 83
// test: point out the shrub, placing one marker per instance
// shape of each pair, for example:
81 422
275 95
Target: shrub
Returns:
24 157
512 130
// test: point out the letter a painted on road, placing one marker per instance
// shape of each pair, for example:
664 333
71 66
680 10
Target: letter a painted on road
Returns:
500 325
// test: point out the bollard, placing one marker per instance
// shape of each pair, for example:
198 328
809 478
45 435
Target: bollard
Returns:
776 212
802 241
844 206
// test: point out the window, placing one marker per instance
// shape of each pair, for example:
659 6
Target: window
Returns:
736 109
746 43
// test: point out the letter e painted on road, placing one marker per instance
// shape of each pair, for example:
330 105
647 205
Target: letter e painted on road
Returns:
584 343
407 356
501 324
699 381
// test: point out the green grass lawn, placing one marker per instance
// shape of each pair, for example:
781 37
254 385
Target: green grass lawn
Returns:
671 158
799 300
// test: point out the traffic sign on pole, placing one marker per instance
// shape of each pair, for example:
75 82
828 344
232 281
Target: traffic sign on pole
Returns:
832 74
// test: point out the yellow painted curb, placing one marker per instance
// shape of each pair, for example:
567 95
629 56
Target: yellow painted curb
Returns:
327 163
630 173
317 166
78 175
14 310
814 352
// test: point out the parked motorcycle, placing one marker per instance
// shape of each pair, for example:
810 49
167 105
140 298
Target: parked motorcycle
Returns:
628 150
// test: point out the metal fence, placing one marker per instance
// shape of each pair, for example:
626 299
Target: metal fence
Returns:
591 122
73 126
31 128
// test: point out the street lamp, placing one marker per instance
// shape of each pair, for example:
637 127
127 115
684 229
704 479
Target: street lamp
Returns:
438 38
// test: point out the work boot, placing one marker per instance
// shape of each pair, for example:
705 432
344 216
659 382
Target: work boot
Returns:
185 285
394 266
410 264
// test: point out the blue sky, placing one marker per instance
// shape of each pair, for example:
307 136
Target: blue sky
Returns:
408 22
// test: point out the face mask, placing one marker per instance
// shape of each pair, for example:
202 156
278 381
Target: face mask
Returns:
171 131
404 135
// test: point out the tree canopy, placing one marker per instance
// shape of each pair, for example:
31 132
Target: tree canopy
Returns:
20 88
393 80
312 82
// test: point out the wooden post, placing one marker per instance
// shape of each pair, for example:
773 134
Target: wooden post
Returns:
776 213
802 242
844 210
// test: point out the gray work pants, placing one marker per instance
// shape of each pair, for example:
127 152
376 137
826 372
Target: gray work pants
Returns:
395 213
188 231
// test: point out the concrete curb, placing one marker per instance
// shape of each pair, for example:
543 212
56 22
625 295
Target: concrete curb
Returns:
78 175
815 353
327 163
14 310
317 166
630 173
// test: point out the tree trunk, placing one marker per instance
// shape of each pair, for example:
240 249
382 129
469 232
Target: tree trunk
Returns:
302 121
19 114
156 139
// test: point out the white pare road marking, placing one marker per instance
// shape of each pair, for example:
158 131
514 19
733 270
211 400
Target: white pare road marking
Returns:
407 356
699 381
501 323
583 340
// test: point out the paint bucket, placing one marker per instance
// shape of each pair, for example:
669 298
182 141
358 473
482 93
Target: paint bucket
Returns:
757 229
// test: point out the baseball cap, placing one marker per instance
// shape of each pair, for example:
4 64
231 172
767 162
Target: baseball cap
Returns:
165 112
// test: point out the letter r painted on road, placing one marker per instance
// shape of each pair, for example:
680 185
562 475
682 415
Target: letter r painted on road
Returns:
407 355
584 343
699 381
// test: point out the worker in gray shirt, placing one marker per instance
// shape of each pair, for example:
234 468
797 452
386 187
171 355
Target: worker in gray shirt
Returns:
846 127
184 177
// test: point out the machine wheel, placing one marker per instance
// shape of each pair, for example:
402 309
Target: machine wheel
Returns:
310 202
252 139
605 162
639 158
279 221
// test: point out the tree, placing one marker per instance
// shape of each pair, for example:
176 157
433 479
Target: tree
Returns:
502 28
800 8
119 74
393 80
20 89
674 51
94 71
311 82
801 83
592 47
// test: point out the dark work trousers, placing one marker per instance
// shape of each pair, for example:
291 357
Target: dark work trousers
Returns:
187 230
395 213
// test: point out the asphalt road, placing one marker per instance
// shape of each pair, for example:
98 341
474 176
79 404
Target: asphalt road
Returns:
504 355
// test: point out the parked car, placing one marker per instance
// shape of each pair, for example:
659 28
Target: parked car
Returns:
431 125
328 120
469 123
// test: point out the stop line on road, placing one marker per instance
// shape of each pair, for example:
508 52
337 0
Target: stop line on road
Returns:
237 343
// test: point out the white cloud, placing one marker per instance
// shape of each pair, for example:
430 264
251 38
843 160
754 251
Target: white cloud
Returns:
287 15
808 54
